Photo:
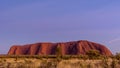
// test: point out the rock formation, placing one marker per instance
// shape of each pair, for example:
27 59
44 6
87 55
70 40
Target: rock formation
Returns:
67 48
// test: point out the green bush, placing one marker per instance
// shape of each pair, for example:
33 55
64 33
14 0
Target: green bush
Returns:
117 56
93 54
58 51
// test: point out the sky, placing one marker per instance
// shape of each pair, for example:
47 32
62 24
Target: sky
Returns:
32 21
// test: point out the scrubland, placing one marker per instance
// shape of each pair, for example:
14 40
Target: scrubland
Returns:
92 59
59 62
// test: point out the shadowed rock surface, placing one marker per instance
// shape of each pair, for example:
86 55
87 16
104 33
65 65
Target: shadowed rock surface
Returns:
67 48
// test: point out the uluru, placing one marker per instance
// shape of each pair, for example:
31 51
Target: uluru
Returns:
67 48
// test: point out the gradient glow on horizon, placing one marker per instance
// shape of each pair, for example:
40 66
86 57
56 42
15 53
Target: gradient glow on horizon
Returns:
31 21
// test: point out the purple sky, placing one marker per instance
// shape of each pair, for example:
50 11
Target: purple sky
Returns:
31 21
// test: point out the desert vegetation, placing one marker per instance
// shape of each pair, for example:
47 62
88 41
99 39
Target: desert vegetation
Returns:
92 59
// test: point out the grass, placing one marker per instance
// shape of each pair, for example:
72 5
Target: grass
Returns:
53 61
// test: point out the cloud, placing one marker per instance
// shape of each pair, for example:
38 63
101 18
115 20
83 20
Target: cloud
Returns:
114 40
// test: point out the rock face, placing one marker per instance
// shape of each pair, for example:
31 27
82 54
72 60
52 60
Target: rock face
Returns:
66 48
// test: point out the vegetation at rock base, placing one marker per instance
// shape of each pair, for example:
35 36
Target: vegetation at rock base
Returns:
93 54
58 51
92 59
117 56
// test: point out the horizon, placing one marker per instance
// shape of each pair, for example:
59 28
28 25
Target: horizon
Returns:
27 21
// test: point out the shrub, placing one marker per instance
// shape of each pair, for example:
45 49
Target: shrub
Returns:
93 54
105 63
114 63
58 51
117 56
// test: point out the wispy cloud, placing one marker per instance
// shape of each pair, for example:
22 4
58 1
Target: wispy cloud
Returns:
114 40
